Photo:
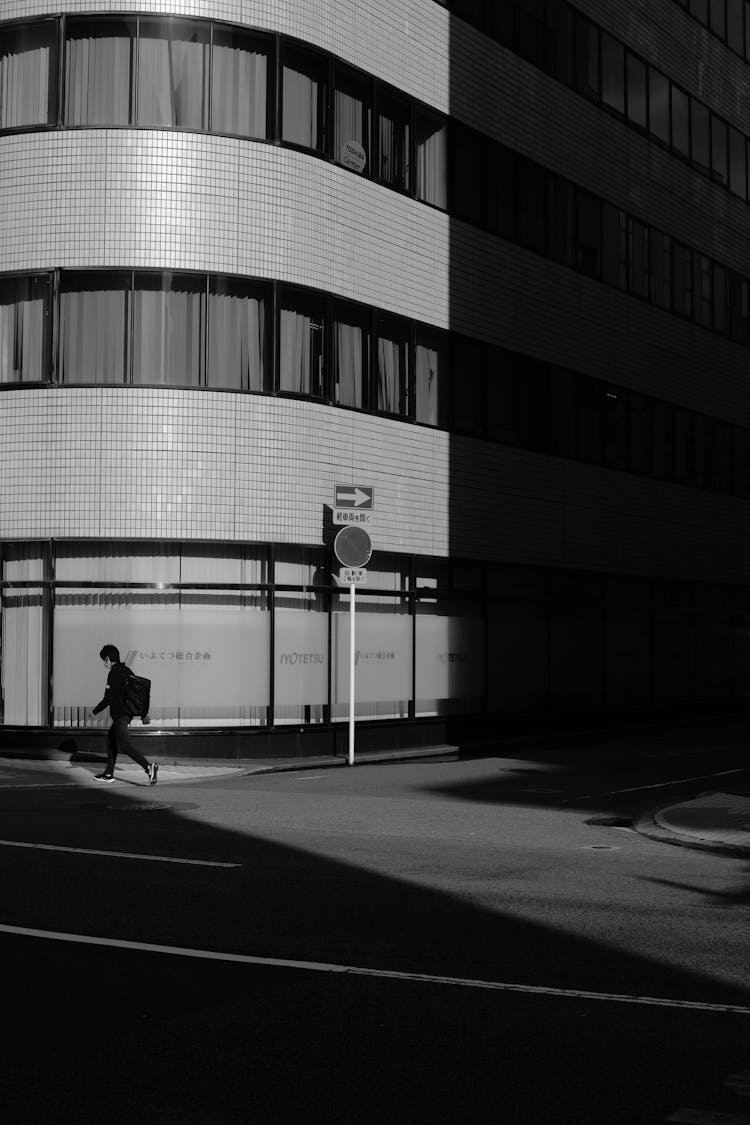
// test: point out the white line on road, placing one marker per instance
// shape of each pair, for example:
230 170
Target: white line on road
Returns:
387 974
117 855
656 785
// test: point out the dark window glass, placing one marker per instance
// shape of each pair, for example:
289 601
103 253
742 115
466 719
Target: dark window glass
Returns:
640 442
616 428
588 233
241 69
706 452
735 29
432 378
636 91
469 386
658 105
720 300
501 191
473 11
738 307
500 21
172 73
718 18
661 269
98 62
700 135
719 149
504 397
432 159
737 164
699 9
664 437
394 141
392 365
302 344
467 174
352 119
723 457
682 280
304 100
532 199
564 391
747 29
740 461
587 58
534 404
639 259
614 246
703 298
613 73
94 327
238 335
590 432
28 91
24 329
168 329
680 121
561 41
684 446
561 220
532 31
350 355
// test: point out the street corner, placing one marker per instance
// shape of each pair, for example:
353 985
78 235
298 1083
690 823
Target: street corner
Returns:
31 774
710 821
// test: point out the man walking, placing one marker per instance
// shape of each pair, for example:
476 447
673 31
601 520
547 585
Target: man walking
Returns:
118 735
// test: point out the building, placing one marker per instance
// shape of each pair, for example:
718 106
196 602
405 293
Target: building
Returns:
489 260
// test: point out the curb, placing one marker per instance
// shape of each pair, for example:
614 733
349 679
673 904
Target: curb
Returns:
647 826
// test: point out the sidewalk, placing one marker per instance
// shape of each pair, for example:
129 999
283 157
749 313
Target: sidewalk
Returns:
710 821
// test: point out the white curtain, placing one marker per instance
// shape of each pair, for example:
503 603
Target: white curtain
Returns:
348 342
22 641
432 163
299 123
236 345
171 78
238 90
427 384
92 334
97 76
167 333
22 331
389 361
296 352
24 80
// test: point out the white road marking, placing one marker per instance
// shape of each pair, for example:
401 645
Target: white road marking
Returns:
387 974
656 785
117 855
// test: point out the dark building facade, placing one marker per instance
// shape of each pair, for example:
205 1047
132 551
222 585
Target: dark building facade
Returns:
488 259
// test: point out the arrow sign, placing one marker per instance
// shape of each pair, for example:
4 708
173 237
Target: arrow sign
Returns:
360 496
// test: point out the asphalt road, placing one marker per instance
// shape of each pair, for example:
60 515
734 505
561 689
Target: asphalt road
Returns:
427 942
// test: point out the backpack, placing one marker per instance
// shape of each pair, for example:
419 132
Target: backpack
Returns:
137 696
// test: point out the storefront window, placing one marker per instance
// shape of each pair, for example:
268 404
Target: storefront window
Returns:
300 657
383 657
450 657
23 633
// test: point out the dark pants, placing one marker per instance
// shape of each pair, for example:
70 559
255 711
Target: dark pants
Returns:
118 739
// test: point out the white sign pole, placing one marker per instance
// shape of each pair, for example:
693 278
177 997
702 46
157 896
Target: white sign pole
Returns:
352 600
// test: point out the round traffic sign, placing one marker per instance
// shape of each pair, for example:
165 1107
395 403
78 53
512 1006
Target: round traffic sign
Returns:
352 546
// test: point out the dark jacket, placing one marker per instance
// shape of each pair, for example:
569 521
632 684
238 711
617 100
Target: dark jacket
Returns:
114 696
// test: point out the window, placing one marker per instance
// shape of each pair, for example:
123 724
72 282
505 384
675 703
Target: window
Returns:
735 29
467 174
636 91
616 427
24 320
432 159
588 234
561 41
532 31
719 144
664 441
504 397
561 202
614 246
591 421
302 343
432 378
27 89
680 121
240 84
738 307
639 263
718 17
702 289
700 133
350 355
699 9
661 270
720 302
639 409
94 328
532 196
469 386
682 280
304 100
501 191
658 105
737 163
172 74
98 64
352 119
392 365
564 390
168 329
238 336
613 73
587 58
394 142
